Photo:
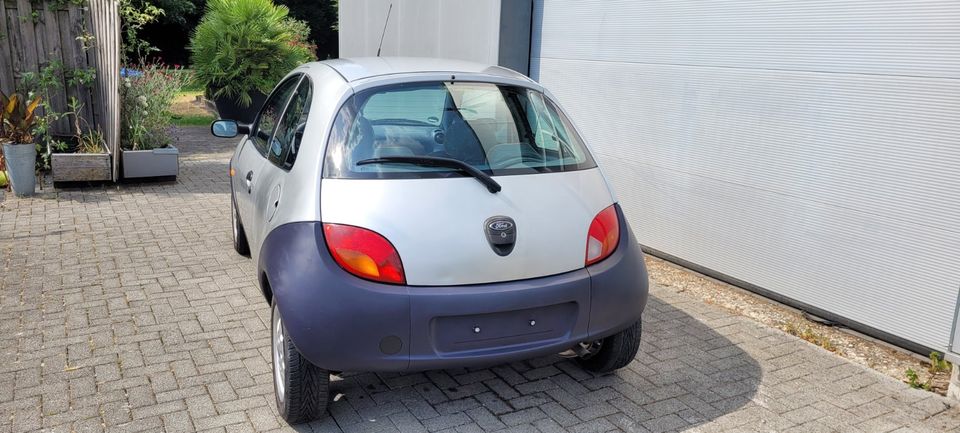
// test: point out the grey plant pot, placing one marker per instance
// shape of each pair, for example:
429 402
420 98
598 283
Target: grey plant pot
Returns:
21 167
163 162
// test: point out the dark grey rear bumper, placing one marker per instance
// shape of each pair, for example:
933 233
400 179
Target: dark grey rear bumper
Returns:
344 323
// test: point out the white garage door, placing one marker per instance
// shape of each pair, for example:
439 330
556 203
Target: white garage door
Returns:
810 148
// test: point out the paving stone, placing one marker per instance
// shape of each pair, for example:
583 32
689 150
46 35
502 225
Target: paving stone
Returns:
446 421
407 423
485 419
525 416
145 319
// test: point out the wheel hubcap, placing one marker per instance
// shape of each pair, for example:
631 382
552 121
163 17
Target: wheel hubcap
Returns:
279 361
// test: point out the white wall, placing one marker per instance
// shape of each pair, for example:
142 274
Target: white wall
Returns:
811 148
455 29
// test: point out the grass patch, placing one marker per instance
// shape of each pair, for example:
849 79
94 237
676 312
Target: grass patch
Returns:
193 87
190 85
192 120
188 94
186 110
809 334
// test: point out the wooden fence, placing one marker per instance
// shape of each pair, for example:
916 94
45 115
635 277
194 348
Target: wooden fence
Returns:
106 30
35 34
32 36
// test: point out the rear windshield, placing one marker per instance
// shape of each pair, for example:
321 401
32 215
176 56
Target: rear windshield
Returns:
498 129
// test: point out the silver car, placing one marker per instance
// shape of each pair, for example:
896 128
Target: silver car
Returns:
411 214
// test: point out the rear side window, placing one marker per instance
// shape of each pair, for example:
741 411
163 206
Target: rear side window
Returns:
288 134
501 130
270 113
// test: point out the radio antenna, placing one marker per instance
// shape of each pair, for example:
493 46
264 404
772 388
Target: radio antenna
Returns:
384 32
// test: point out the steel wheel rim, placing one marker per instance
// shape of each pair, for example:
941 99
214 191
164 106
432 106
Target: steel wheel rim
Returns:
233 222
279 362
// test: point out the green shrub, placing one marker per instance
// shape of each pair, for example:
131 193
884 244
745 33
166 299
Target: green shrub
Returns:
938 364
243 46
913 379
145 107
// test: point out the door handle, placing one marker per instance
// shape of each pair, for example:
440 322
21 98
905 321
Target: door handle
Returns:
249 180
274 202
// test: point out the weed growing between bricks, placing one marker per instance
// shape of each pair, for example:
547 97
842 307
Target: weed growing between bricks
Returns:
903 366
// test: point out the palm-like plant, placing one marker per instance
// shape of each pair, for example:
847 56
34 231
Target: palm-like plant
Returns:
243 46
17 118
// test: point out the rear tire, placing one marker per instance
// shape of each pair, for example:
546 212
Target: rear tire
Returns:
239 236
614 352
301 388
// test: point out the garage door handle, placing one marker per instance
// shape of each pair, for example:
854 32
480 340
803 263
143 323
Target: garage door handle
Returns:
249 181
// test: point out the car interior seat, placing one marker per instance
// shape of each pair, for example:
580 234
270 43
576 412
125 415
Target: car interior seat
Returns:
462 143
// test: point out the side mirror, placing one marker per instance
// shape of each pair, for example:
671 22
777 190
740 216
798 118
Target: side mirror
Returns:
225 128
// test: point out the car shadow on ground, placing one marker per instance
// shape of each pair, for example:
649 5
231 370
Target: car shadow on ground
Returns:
685 375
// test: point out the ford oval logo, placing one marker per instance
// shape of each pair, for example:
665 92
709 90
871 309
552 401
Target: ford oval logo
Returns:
501 233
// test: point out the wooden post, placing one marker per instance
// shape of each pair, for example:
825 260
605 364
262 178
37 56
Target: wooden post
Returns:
106 29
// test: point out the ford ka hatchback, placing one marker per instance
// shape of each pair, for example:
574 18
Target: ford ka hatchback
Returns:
412 214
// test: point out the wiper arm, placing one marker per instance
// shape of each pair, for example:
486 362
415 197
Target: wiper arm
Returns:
436 161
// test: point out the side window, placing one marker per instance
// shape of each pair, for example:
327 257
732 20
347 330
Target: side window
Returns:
289 132
270 113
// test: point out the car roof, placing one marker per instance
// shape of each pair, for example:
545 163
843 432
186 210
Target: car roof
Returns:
360 68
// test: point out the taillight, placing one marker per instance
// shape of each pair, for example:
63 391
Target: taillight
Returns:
603 236
364 253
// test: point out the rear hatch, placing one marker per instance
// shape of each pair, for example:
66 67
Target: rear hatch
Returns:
437 225
470 182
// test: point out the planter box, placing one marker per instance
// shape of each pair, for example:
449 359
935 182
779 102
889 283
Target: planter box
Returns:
164 162
80 167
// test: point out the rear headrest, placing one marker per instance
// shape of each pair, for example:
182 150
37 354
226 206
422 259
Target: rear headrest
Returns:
462 143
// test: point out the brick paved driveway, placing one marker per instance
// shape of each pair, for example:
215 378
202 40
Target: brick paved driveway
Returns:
125 309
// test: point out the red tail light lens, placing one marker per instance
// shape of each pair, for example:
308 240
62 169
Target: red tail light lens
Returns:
604 235
364 253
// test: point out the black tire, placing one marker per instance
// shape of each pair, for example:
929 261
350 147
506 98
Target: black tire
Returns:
301 388
614 352
239 236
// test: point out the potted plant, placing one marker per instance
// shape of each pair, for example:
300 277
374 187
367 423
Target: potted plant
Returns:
73 150
17 122
145 141
82 156
3 171
241 49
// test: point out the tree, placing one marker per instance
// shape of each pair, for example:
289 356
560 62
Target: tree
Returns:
177 11
321 16
170 34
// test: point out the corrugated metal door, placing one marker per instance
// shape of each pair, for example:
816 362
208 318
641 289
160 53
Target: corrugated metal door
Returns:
810 148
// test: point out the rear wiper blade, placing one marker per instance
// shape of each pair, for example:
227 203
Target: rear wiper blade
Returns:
436 161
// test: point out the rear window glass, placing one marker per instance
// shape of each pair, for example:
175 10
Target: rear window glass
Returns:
498 129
